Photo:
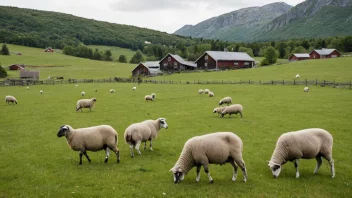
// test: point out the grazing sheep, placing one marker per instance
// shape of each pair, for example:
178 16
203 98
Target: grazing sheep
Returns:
27 88
153 96
95 138
211 94
76 86
85 103
213 148
232 109
219 110
140 132
134 88
306 89
298 76
227 100
307 144
41 91
10 99
200 91
148 97
83 93
112 91
206 91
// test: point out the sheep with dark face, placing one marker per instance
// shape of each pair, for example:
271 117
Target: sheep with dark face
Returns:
227 100
85 103
96 138
10 99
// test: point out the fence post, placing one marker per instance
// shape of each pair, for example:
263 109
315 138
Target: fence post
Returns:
350 84
334 83
249 81
306 82
272 82
324 83
260 82
294 81
283 82
316 82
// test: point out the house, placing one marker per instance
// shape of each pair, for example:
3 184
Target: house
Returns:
151 68
49 49
16 67
298 57
324 53
218 60
29 74
173 62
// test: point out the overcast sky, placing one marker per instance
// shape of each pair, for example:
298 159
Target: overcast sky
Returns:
162 15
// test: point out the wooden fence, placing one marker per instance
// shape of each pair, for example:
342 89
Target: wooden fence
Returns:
316 82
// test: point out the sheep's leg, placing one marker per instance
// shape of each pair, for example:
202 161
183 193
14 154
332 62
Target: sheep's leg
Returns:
117 152
198 171
137 148
145 145
296 162
80 157
331 162
234 176
85 154
151 144
107 151
131 150
242 165
319 162
241 114
208 173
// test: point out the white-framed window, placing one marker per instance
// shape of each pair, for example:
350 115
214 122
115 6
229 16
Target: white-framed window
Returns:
175 63
165 63
235 64
246 63
333 56
206 64
206 57
313 56
168 58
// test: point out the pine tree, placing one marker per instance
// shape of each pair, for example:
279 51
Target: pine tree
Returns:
4 50
3 72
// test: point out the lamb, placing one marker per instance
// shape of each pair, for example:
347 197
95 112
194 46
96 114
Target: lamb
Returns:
214 148
134 88
10 99
140 132
41 91
232 109
95 138
219 110
112 91
200 91
206 91
153 96
307 144
83 93
227 100
211 94
298 76
85 103
148 97
306 89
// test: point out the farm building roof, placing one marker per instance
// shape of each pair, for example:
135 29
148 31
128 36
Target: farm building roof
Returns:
228 56
180 60
303 55
324 51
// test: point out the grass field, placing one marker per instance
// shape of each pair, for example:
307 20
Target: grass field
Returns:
36 163
115 51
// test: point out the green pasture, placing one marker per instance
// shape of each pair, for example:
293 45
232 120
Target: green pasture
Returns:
36 163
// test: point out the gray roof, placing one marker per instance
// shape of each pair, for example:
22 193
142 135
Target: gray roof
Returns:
154 71
302 55
228 56
180 60
325 51
151 64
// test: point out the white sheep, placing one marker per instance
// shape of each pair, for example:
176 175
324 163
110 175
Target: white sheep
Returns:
134 88
206 91
218 110
95 138
76 86
200 91
148 97
140 132
112 91
153 96
10 99
41 92
232 109
213 148
306 89
83 93
27 88
298 76
211 94
307 144
85 103
227 100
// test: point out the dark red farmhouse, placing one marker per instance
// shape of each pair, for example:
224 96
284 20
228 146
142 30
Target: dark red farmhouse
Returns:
217 60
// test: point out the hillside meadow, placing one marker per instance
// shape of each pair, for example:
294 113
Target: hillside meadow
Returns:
36 163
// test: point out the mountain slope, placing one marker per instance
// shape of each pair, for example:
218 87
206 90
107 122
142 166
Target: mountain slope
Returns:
237 25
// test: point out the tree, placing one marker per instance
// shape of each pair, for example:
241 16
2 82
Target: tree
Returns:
347 44
97 55
107 55
249 51
137 57
3 72
305 44
270 56
122 59
4 50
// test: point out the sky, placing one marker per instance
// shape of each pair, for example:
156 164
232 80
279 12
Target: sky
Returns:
163 15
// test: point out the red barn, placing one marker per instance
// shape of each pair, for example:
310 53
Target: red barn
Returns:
217 60
298 57
49 49
147 69
324 53
173 62
16 67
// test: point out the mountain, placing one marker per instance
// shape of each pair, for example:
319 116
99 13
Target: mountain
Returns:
37 28
238 25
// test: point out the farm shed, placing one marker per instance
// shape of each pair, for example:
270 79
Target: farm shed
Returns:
218 60
16 67
49 49
151 68
173 62
29 74
298 57
324 53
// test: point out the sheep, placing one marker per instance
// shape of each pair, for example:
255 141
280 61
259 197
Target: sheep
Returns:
76 86
41 91
112 91
232 109
306 89
134 88
10 99
85 103
211 94
83 93
307 144
227 100
206 91
298 76
27 88
153 96
96 138
219 110
213 148
148 97
200 91
140 132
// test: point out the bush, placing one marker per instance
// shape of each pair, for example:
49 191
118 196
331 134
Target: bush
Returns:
122 59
